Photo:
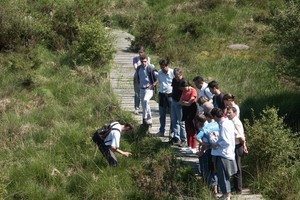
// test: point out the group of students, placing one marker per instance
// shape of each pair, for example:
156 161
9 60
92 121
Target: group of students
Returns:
201 116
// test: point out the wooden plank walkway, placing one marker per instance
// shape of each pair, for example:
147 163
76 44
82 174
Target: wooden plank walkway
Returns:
121 78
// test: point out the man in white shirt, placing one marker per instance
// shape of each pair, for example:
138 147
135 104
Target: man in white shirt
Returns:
165 77
223 152
111 143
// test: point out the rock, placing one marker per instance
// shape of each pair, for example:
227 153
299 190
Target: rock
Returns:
238 47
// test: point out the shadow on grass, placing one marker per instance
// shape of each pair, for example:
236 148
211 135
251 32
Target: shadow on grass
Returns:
288 104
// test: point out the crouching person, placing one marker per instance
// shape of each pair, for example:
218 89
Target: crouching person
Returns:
111 142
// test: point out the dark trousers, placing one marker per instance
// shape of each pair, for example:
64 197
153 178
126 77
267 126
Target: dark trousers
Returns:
108 154
237 178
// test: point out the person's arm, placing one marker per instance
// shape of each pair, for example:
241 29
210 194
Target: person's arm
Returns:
189 102
124 153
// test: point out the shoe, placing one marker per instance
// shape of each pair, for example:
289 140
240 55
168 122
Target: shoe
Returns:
160 134
182 144
191 151
185 148
136 111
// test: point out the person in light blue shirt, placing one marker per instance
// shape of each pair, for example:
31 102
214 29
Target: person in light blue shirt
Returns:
205 158
165 77
224 151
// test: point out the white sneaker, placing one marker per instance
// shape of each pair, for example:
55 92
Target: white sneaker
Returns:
185 148
136 111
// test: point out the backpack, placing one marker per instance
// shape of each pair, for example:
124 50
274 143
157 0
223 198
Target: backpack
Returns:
101 133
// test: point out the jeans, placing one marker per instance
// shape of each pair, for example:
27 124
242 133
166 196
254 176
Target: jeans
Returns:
176 121
108 155
207 168
136 86
146 95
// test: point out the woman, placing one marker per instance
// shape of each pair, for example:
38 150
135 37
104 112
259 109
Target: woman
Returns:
229 101
189 109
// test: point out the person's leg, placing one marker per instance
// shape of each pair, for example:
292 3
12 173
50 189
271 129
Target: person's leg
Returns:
162 113
174 120
191 132
148 96
237 178
108 155
144 104
223 178
136 94
183 134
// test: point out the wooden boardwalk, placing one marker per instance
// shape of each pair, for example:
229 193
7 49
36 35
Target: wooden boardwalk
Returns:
121 78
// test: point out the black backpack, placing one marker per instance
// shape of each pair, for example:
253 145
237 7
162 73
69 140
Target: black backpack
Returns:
100 135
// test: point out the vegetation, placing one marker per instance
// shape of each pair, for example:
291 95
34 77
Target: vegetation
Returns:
54 60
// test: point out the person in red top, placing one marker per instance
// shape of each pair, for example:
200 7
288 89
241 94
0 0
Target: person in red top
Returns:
189 109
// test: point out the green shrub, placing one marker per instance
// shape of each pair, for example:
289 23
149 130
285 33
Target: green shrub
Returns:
93 44
273 150
164 177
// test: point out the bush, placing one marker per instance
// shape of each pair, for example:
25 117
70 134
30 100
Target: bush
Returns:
272 152
164 177
93 44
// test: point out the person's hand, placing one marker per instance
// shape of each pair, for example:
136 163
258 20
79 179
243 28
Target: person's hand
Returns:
127 154
215 145
245 149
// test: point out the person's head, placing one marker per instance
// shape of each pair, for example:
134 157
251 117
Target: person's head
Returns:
202 100
231 112
185 85
213 87
126 127
163 63
144 60
207 107
199 121
209 117
217 113
141 51
198 81
178 74
229 99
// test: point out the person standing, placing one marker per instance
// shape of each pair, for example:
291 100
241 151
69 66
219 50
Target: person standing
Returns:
111 143
201 85
165 77
207 135
240 147
189 110
136 61
229 101
176 110
223 152
218 95
147 79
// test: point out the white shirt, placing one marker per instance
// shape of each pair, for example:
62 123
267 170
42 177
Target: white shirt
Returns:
238 129
226 140
204 91
165 81
113 138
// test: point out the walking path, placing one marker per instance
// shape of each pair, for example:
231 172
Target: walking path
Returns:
121 78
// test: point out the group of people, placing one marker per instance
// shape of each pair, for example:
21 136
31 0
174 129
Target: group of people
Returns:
204 120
